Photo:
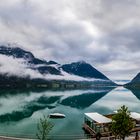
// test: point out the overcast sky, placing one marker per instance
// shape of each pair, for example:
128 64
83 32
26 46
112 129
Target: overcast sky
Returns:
105 33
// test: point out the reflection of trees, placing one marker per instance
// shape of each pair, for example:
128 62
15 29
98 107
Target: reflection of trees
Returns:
25 91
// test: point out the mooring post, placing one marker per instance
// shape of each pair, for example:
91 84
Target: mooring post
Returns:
98 136
137 136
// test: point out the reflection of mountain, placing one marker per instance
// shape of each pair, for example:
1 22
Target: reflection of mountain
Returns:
42 101
27 111
19 115
136 92
84 100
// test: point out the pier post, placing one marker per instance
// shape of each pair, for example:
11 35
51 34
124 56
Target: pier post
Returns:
137 136
98 136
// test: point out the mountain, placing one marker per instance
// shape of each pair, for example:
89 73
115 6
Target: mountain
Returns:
134 83
22 68
83 69
20 53
41 66
136 79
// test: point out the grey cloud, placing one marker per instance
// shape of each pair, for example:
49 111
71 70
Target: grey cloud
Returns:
109 15
101 32
129 38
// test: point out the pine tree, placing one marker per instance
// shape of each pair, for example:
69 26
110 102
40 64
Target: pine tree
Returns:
122 123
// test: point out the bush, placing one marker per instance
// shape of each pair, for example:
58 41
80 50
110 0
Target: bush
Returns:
44 127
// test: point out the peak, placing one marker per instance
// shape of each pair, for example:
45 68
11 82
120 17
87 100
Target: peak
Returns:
3 47
79 62
9 47
15 51
82 62
52 62
138 74
136 78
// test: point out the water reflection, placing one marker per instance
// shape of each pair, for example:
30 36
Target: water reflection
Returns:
29 109
23 108
84 100
31 101
136 92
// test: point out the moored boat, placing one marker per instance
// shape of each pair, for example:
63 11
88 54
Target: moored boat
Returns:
56 115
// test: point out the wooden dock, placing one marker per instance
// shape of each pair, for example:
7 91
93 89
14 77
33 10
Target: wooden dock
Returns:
93 133
105 134
89 130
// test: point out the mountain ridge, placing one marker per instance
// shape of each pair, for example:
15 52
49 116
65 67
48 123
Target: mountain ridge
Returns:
81 68
49 69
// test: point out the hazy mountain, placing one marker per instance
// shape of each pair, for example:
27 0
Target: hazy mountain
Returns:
134 83
20 67
34 63
83 69
136 79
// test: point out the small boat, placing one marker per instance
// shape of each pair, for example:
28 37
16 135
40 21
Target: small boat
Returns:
56 115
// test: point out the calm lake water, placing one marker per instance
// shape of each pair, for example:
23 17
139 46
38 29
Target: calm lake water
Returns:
21 110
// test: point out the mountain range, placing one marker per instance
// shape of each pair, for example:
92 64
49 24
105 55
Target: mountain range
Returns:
19 67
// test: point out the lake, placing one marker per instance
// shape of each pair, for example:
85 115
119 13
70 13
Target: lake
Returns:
20 110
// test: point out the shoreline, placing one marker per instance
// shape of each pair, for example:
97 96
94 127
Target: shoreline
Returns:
13 138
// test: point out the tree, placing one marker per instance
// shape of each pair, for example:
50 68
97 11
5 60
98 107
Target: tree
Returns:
122 123
44 127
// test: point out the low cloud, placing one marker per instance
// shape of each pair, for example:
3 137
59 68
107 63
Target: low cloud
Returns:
17 67
21 68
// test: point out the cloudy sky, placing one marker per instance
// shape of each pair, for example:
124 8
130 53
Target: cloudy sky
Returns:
104 33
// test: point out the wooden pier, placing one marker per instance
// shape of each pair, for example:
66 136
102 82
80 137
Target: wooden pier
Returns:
94 134
97 125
